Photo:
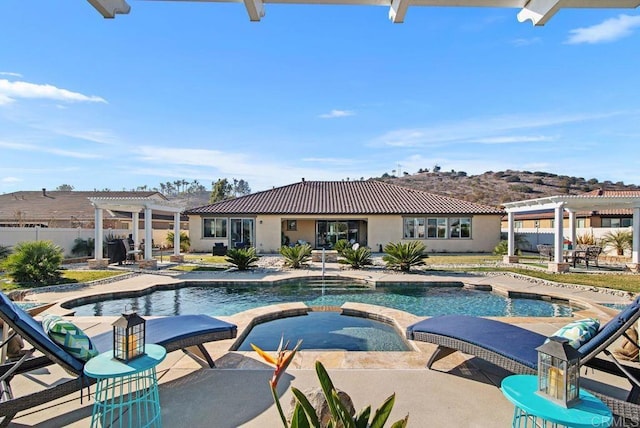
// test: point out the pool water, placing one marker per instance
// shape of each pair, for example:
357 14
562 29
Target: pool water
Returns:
327 331
418 299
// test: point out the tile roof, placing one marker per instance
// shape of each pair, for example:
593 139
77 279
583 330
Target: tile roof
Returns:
56 205
344 197
613 193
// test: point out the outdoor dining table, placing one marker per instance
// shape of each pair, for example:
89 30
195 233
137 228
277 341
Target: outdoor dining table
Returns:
571 256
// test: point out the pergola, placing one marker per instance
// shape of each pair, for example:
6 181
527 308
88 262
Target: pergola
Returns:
573 204
536 11
136 206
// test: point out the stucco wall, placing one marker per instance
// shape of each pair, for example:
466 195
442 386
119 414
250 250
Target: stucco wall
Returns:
381 229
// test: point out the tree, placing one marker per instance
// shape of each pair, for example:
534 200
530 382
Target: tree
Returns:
241 187
221 190
65 188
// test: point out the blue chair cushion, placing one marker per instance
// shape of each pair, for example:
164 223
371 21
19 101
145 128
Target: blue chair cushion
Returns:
508 340
165 330
578 332
32 332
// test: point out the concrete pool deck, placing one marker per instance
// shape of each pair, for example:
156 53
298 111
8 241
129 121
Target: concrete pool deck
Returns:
461 391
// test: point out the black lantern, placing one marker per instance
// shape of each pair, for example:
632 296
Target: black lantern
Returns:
559 372
128 337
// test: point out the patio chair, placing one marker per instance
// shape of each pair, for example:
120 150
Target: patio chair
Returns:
590 254
545 251
514 349
179 332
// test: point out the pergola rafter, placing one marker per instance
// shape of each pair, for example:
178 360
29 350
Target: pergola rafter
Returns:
536 11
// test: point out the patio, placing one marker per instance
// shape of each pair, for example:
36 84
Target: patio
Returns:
461 391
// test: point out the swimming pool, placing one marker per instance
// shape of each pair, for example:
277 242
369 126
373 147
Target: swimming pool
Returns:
326 331
417 298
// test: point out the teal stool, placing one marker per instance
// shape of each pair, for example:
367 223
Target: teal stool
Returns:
532 410
126 393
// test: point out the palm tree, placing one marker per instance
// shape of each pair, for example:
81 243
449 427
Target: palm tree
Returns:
404 255
620 240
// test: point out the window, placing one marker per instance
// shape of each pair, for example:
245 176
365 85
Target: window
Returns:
437 228
617 222
292 225
459 227
581 223
215 228
518 224
414 228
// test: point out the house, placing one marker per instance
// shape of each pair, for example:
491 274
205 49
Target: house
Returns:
70 209
370 213
63 216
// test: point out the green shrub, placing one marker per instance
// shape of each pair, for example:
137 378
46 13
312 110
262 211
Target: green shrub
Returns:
403 256
357 258
83 247
297 256
5 250
620 240
502 249
185 242
242 258
340 245
35 262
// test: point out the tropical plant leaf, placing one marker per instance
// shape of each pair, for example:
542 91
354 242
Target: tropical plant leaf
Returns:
242 258
345 417
299 419
303 401
327 388
383 412
362 418
403 256
401 423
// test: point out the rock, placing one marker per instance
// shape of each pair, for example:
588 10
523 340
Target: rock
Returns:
317 400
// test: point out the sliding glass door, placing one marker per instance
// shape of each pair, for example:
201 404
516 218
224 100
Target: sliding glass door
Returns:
242 232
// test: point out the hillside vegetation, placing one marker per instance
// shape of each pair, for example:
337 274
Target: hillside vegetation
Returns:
496 188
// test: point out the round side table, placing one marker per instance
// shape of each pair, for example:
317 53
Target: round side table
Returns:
590 412
126 393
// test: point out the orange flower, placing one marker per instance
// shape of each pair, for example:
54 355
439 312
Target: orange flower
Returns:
281 361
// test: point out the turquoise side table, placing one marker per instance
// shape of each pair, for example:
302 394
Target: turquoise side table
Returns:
126 393
532 408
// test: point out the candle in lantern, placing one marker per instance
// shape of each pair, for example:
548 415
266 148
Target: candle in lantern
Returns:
556 379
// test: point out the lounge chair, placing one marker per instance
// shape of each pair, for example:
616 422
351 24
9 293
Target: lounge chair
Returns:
514 348
179 332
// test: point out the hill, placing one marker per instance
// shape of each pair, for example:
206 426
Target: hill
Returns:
496 188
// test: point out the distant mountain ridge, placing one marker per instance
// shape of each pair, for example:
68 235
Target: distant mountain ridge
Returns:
497 188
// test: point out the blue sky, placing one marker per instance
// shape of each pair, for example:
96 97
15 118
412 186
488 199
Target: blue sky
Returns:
194 91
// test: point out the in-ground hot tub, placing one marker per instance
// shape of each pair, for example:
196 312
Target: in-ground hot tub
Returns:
327 331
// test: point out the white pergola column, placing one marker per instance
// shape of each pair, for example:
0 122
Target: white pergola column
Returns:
135 229
558 237
148 234
572 227
635 250
176 234
98 234
511 244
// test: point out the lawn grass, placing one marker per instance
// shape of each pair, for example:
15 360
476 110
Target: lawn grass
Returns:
204 258
195 268
68 277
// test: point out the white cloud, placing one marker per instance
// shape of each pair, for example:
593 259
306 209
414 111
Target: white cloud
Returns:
513 139
9 73
337 113
52 150
333 161
526 42
10 91
10 180
475 129
607 31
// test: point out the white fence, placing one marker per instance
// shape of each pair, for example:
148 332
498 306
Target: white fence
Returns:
65 237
